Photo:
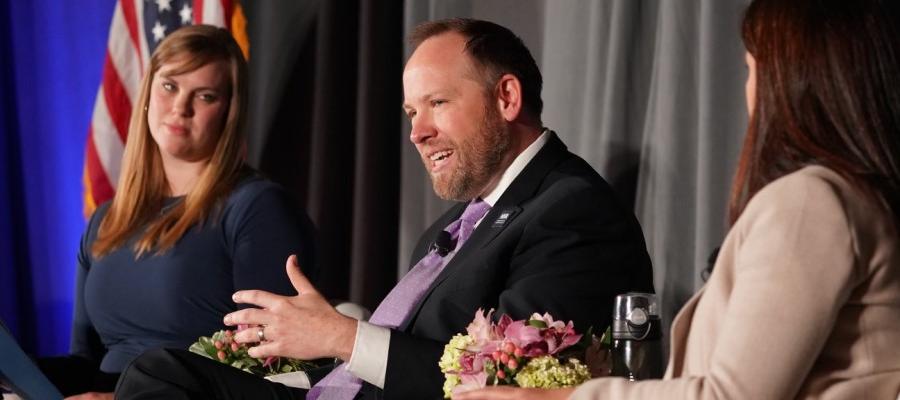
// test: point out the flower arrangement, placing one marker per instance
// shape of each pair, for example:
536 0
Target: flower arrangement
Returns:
538 352
222 347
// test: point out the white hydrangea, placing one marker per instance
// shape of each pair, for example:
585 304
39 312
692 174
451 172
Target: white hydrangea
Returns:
546 372
449 362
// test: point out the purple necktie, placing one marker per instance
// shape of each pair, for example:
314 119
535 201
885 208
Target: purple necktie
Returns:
400 302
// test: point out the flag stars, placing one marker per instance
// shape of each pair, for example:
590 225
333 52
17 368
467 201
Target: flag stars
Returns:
186 14
159 31
164 5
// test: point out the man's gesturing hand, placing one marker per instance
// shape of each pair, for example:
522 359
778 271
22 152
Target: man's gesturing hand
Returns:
303 326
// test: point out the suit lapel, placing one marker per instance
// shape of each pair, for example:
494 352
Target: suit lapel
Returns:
681 325
523 188
508 207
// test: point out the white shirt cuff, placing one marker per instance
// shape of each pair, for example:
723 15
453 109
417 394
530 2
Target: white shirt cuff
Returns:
370 353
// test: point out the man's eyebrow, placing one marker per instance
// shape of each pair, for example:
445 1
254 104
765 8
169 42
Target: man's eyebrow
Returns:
423 98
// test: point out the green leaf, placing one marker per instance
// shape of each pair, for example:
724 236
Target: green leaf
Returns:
606 339
197 348
537 323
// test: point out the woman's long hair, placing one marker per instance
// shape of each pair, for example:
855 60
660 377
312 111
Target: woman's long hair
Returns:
142 188
827 93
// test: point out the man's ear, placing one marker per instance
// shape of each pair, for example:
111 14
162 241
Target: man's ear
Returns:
509 97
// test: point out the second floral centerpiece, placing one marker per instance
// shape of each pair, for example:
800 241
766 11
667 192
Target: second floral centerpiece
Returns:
537 352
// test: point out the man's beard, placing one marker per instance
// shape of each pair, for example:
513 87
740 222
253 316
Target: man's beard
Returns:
478 158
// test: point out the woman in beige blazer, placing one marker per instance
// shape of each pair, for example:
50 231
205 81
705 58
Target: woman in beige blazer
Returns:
804 299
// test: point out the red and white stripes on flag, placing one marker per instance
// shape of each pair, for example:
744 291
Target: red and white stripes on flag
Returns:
133 34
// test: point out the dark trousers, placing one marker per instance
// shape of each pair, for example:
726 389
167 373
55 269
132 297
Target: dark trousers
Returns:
75 375
180 374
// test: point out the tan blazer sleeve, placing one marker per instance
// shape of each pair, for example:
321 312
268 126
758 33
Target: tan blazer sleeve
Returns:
794 268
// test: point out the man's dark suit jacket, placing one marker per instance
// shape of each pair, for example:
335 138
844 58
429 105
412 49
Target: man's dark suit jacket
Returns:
557 241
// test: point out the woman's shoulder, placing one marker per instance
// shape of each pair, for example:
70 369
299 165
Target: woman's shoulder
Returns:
823 199
253 192
252 185
820 185
810 196
97 216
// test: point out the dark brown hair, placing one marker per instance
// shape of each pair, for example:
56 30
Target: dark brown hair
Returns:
497 51
827 93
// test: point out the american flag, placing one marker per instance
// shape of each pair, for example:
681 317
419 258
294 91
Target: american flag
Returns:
137 28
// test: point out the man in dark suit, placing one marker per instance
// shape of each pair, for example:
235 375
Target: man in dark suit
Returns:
536 230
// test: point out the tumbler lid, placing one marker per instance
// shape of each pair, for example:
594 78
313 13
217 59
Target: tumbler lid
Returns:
636 307
632 315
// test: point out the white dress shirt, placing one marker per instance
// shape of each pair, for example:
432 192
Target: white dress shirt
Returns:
370 348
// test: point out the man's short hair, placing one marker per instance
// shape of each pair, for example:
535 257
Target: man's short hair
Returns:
496 51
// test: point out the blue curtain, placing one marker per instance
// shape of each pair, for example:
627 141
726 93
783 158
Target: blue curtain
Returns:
51 55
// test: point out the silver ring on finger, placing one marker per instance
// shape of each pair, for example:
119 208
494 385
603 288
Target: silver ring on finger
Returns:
261 333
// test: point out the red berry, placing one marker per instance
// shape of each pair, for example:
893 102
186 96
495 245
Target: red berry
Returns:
519 352
234 346
512 364
509 347
496 355
504 358
218 344
501 374
221 355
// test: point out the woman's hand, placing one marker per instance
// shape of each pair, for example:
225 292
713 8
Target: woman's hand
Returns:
91 396
514 393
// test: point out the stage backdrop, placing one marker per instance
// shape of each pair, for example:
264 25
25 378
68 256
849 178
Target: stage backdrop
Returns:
50 57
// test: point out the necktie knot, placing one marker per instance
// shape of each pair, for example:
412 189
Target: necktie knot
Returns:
474 211
463 227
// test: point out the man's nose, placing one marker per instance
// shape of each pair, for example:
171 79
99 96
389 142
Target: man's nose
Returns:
422 129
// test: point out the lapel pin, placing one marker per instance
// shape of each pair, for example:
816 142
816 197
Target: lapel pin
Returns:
505 216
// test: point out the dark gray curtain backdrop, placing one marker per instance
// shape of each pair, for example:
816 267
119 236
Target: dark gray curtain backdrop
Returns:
326 94
650 92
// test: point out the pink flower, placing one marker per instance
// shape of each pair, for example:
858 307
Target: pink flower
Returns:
548 319
504 322
482 331
522 335
471 382
471 362
557 335
536 350
560 336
